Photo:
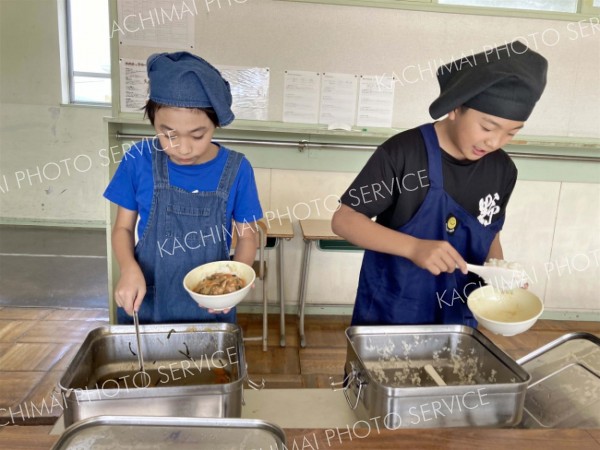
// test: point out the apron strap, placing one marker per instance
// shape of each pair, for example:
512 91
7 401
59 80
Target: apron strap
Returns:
434 156
230 171
160 169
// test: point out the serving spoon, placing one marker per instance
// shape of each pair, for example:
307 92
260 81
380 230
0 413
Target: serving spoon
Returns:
501 278
434 375
136 321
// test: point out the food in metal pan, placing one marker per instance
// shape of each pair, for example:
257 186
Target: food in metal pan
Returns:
219 284
164 375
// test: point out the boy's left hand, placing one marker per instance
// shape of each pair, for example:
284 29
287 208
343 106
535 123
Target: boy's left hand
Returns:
219 311
223 311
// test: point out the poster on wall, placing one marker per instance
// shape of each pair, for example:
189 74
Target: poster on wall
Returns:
155 23
250 91
338 99
375 101
134 84
301 96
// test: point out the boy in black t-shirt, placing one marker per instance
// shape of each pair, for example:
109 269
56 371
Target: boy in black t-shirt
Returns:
439 192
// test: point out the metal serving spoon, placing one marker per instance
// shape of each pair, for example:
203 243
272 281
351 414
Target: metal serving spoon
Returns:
136 321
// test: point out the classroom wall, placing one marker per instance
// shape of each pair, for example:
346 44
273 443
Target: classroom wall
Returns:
329 38
37 131
42 175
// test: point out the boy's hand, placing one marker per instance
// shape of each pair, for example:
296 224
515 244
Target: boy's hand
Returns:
218 311
130 290
224 311
437 257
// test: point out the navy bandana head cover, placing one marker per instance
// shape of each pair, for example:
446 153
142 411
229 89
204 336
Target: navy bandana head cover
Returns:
505 81
187 81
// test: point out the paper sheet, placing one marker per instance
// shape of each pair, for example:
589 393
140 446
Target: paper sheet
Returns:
134 84
250 91
301 96
156 23
338 98
375 101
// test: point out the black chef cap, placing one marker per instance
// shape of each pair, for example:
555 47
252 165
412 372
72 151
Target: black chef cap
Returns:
505 81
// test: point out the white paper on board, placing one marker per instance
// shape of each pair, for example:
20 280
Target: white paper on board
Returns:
375 101
250 91
134 84
301 96
338 98
156 23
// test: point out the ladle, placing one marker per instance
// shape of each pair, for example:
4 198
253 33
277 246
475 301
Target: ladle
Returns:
136 321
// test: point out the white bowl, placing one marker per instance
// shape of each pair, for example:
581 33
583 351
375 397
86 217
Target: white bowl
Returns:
506 313
219 302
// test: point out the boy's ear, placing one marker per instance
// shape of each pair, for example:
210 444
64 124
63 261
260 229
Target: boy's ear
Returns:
455 112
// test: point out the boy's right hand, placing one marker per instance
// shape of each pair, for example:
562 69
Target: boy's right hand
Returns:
130 290
437 257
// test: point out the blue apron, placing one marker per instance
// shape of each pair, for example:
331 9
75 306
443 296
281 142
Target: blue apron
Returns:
393 290
184 230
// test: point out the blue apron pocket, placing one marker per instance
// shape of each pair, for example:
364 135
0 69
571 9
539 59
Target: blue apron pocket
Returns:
182 222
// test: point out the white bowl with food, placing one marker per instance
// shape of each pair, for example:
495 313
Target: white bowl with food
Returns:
219 285
505 312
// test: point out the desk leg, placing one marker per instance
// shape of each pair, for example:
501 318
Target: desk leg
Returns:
280 273
303 281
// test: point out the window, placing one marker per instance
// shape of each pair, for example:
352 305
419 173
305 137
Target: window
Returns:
88 38
571 10
568 6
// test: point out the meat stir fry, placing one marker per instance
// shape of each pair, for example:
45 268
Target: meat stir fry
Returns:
219 283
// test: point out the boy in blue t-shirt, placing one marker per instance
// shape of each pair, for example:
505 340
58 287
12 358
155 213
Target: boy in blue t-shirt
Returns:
185 189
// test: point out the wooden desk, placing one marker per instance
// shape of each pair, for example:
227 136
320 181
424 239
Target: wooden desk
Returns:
312 230
38 438
443 438
280 229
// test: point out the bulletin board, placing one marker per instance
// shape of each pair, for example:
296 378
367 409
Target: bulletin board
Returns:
374 67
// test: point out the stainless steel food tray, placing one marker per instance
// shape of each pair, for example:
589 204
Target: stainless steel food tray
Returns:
197 370
564 391
172 433
387 379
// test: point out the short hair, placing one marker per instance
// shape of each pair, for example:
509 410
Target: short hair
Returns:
152 106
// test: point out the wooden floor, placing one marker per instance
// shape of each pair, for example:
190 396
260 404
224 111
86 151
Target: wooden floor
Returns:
36 345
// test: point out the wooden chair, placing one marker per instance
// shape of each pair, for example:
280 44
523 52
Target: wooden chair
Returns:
260 267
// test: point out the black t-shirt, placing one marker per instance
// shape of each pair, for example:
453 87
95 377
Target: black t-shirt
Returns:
395 181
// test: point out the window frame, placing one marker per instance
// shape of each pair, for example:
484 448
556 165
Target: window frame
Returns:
70 71
585 8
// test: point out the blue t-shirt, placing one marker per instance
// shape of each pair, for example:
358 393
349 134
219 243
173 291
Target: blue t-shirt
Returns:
133 184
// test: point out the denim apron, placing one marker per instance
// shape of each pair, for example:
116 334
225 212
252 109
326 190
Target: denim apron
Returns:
184 230
394 290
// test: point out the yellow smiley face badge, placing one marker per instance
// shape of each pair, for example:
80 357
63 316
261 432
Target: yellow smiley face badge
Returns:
451 223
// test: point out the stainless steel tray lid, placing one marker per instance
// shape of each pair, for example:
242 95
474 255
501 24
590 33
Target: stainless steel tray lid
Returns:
564 391
172 433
